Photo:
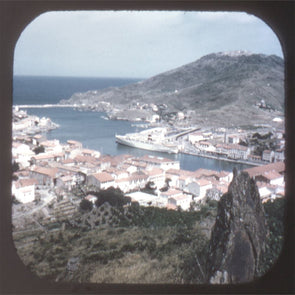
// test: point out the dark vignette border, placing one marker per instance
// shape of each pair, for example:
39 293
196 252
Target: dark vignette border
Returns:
15 15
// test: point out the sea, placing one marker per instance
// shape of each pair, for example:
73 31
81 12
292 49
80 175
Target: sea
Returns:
93 129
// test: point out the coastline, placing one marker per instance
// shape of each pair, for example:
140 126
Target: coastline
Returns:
40 106
223 159
202 155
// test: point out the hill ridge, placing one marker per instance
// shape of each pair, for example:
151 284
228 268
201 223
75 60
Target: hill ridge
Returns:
235 81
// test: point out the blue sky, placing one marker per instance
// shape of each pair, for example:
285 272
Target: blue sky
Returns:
133 43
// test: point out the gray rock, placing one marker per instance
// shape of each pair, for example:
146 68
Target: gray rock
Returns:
239 235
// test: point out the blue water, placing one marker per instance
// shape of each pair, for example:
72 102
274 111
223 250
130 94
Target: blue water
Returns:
50 90
91 128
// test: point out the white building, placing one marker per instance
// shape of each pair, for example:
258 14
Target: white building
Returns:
195 137
22 153
159 162
182 201
268 156
146 200
204 185
157 176
24 190
279 155
102 180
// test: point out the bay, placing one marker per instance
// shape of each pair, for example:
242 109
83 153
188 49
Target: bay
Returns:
91 128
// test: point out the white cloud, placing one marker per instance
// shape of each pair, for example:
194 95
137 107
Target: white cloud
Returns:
131 43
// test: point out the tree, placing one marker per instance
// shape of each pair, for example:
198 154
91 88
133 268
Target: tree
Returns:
39 149
114 197
86 205
15 167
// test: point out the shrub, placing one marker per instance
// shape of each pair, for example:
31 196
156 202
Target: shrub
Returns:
86 205
274 211
114 197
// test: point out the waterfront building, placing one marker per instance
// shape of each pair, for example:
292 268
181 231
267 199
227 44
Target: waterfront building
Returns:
90 153
254 158
73 144
206 146
232 139
279 155
268 156
52 146
159 162
195 137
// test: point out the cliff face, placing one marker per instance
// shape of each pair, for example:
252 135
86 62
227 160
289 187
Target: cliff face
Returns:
239 235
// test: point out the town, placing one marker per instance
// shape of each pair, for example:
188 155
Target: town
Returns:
45 171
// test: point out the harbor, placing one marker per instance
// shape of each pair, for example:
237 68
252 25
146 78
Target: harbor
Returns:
221 145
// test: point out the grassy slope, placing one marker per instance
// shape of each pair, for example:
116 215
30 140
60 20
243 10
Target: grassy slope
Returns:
167 249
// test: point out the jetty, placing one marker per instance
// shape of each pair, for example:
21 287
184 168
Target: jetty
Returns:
40 106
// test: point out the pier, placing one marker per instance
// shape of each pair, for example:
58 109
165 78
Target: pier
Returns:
40 106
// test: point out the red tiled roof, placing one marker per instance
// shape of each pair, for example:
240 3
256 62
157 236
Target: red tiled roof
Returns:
25 182
181 197
46 171
155 171
103 177
272 175
85 159
260 170
171 192
203 182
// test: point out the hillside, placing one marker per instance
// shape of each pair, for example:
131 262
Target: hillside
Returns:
218 88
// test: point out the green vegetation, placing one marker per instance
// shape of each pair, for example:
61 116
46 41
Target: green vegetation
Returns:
113 196
86 205
39 149
261 142
274 211
122 243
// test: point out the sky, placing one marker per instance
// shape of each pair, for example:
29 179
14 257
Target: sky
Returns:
134 44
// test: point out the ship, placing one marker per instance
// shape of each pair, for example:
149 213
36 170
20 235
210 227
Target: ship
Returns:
150 139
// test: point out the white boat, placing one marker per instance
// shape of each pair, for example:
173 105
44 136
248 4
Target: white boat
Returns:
146 144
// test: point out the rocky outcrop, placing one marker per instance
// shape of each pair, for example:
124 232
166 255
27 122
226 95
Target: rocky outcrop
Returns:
239 235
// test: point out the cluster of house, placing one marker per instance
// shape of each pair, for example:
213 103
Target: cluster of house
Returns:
63 166
228 146
270 180
25 124
48 164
